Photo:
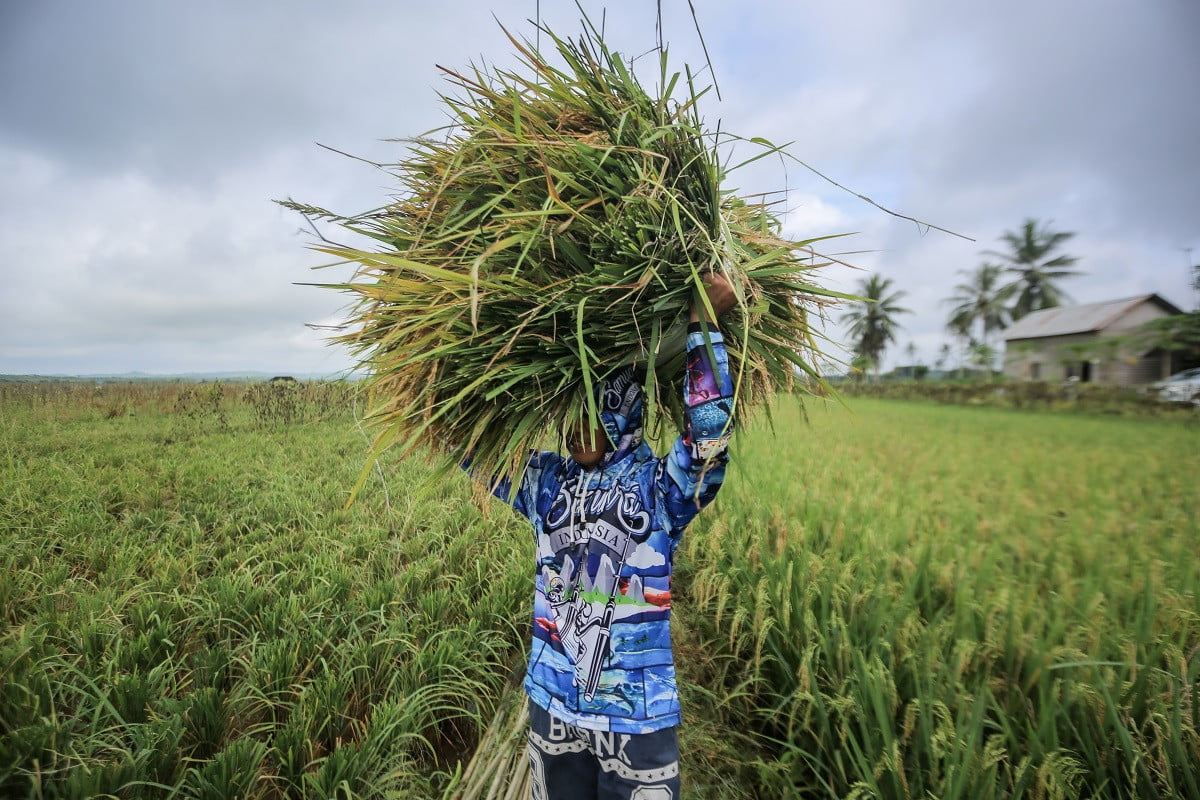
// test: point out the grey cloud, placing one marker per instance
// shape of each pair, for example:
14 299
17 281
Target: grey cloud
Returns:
143 142
1093 101
183 90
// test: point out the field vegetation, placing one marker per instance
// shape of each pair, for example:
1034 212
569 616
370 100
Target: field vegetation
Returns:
1002 392
893 599
928 601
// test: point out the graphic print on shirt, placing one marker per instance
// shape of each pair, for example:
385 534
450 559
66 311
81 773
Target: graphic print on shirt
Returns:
589 539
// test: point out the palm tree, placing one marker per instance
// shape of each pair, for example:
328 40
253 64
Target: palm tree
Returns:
943 357
872 318
1029 260
959 326
981 299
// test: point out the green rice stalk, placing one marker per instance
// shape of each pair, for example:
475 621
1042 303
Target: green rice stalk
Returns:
561 226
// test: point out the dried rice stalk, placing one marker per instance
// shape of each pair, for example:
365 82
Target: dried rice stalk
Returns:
499 769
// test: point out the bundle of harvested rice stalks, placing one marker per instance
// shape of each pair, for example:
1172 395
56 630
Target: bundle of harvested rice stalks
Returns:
560 227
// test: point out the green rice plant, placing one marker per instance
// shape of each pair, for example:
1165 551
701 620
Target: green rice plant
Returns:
895 597
105 779
157 746
274 665
561 227
232 774
237 619
289 753
207 719
344 774
910 628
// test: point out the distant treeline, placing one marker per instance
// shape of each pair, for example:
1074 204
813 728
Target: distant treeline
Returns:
224 377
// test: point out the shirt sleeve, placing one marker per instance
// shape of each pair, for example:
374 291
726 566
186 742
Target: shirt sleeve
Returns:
695 468
524 500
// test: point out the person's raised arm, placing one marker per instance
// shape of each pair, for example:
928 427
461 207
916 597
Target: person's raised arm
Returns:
695 467
524 498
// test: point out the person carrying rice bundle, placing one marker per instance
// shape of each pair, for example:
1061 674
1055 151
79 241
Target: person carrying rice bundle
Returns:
603 701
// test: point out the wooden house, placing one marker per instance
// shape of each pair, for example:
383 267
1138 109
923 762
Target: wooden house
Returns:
1093 342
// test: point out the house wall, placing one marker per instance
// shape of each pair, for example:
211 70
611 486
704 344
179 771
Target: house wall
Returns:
1136 366
1148 366
1048 354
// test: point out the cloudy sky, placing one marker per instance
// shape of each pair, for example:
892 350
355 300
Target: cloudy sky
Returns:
142 144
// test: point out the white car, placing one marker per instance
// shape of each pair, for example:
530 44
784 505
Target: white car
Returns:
1182 387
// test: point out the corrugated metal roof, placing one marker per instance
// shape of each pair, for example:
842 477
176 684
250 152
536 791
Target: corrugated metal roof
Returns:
1074 319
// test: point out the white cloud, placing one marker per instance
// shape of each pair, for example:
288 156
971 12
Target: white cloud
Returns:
646 557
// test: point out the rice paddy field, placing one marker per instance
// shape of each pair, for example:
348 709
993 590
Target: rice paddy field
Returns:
889 599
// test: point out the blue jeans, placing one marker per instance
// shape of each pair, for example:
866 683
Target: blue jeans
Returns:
572 763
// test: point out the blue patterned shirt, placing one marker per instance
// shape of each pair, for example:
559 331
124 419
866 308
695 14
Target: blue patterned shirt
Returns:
606 537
